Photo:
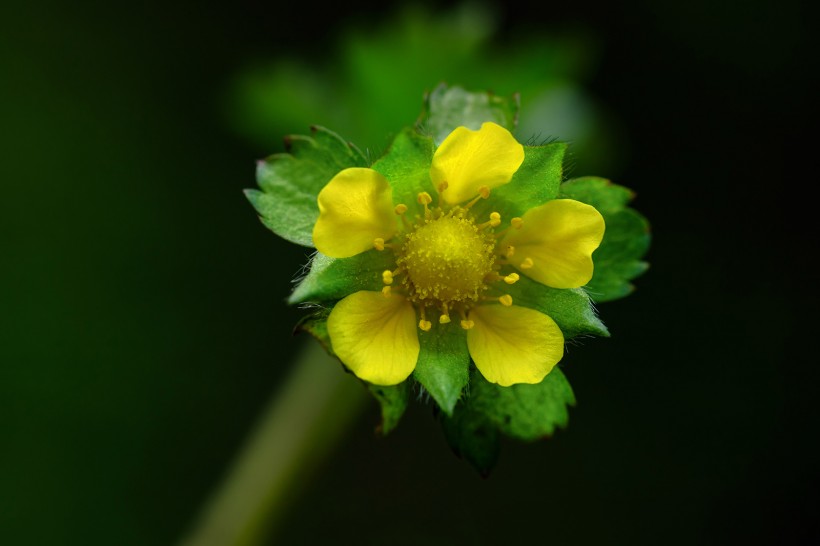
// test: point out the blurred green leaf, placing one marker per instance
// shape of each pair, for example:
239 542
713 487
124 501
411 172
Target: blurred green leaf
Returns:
290 182
381 73
626 239
443 368
449 107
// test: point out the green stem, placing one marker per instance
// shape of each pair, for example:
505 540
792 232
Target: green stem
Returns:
298 427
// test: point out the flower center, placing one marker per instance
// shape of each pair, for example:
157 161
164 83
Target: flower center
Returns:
447 260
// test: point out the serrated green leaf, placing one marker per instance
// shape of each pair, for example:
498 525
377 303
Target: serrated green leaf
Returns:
626 239
526 412
570 308
618 258
406 165
472 437
290 182
393 401
598 192
335 278
449 107
443 367
535 182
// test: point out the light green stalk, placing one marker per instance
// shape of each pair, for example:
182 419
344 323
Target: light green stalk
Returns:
296 430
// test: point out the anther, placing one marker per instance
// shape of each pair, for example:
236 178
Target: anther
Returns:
400 209
443 186
526 264
512 278
386 291
510 251
516 223
505 300
378 243
387 277
425 325
467 324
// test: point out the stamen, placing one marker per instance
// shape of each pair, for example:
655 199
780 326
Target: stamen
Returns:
526 264
483 193
386 291
425 199
512 278
441 187
509 252
378 244
400 209
424 324
495 219
515 223
445 315
465 322
505 300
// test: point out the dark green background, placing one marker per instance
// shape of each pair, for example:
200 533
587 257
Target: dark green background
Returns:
142 322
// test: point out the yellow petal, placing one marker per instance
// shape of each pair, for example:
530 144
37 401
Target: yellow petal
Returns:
559 238
375 336
355 208
468 160
513 344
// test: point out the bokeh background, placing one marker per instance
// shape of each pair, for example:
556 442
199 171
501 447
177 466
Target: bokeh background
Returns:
142 321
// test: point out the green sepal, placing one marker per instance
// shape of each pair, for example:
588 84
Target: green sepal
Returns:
443 367
571 308
448 107
406 165
290 182
626 239
333 279
536 181
525 412
393 401
472 437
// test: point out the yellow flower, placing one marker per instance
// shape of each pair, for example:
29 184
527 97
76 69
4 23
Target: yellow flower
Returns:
451 267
